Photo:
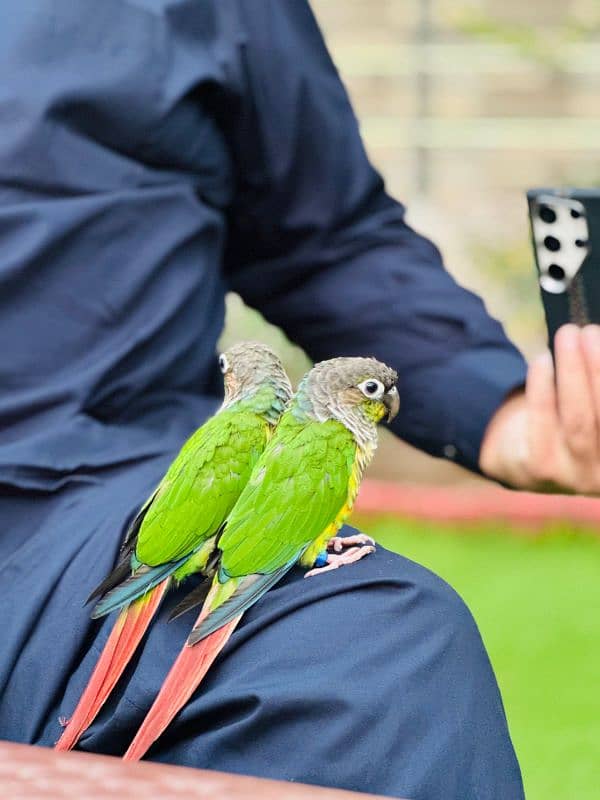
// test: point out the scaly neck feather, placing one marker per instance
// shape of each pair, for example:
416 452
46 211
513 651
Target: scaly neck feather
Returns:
268 400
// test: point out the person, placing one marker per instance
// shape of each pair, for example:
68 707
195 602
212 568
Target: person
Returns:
154 154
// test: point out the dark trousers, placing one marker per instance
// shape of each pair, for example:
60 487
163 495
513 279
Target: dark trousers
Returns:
372 677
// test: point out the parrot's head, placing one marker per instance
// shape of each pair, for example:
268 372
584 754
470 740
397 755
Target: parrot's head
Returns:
252 370
359 392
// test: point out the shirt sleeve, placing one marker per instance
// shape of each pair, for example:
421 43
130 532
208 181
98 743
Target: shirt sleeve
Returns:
317 245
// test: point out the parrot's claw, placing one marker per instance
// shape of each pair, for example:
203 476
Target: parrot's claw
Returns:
63 721
338 543
335 560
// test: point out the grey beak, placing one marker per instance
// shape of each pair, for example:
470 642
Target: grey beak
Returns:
391 400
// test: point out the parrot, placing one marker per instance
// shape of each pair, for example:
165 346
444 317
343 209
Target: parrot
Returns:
175 531
300 492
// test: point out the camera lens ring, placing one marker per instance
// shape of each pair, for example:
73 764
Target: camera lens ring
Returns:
552 243
547 214
556 272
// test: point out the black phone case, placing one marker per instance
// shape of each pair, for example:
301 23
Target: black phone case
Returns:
574 298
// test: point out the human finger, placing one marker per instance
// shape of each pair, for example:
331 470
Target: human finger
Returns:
542 414
576 407
590 343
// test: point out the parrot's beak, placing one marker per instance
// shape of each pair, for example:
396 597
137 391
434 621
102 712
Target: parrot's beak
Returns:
391 400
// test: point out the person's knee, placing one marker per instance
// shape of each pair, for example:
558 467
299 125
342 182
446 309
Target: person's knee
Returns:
448 606
420 601
452 646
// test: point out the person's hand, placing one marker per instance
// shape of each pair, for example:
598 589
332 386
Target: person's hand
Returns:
547 438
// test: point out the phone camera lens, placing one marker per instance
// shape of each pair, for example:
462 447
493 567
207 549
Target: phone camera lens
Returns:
547 214
551 243
557 272
575 214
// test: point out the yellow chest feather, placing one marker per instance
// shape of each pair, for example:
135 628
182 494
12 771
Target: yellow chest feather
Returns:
363 457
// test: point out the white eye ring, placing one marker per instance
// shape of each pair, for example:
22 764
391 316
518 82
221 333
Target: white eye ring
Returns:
223 363
372 388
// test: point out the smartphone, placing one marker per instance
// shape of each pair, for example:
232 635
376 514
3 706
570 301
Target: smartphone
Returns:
565 232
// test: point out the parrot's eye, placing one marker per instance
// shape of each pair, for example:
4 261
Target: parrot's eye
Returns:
223 363
372 389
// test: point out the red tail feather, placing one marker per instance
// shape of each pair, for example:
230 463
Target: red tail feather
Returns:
122 643
192 664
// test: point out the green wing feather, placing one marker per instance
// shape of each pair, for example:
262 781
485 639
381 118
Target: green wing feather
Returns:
201 486
297 489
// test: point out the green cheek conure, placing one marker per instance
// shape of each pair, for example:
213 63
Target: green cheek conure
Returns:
300 492
175 532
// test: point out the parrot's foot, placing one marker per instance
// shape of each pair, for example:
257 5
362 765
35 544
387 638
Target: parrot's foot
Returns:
338 543
63 721
335 560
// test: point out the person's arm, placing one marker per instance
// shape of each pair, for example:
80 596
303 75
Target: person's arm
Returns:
319 247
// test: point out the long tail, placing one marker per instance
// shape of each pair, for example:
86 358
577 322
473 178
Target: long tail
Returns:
192 664
122 643
222 610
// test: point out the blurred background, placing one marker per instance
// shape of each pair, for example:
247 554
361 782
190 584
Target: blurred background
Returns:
464 105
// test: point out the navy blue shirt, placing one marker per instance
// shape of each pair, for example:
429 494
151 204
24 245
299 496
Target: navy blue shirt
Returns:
153 155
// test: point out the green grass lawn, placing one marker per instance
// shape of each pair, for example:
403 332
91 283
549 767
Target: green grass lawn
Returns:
537 603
